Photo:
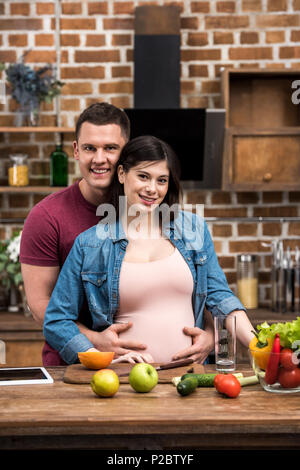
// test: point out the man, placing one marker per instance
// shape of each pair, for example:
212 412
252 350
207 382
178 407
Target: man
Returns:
53 224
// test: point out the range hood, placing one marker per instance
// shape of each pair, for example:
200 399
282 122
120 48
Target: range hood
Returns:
196 134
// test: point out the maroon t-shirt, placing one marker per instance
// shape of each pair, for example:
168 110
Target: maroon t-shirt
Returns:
48 235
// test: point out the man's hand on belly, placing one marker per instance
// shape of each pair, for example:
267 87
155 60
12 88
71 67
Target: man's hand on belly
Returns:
203 344
108 340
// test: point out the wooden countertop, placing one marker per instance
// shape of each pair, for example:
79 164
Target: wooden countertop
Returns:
18 322
61 415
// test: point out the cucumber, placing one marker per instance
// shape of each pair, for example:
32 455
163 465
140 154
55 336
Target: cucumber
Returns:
187 386
205 380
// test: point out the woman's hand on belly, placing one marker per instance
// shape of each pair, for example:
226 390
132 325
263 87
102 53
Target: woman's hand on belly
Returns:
203 344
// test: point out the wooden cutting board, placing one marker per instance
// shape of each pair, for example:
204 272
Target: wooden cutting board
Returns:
79 374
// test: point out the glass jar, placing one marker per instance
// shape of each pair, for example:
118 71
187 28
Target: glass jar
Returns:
18 170
247 280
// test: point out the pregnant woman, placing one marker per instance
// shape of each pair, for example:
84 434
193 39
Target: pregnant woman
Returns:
147 263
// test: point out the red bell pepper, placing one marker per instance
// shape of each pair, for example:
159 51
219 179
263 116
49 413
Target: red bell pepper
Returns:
273 362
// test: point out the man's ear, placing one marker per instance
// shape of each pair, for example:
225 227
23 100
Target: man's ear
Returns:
75 150
121 174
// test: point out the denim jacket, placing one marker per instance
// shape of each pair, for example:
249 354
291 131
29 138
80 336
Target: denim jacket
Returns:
92 271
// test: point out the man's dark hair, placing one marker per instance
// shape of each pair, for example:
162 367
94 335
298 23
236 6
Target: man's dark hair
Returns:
101 114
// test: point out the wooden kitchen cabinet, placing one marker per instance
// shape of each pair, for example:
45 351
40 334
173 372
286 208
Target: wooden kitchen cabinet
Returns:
262 130
21 339
266 159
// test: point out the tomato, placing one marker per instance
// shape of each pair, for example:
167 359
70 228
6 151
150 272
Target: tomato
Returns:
218 379
228 385
288 359
289 378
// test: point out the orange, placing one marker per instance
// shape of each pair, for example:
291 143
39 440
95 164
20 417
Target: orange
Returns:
95 359
105 383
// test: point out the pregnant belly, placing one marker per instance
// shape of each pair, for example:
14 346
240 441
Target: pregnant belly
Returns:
163 336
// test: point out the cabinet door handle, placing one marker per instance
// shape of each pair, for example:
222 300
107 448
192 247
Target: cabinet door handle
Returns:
267 177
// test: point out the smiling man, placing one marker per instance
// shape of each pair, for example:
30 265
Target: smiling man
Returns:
53 224
97 154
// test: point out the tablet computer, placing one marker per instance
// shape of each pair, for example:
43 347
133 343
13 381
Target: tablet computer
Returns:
24 376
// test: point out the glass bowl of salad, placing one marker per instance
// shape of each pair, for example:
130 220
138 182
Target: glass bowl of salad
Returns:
274 355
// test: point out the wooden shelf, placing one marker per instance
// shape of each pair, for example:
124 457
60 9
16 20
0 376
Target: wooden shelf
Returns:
37 129
31 189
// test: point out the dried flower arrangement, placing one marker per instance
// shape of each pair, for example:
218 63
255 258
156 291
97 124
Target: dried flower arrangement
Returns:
30 86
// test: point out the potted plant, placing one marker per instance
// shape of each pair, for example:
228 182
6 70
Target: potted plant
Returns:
30 87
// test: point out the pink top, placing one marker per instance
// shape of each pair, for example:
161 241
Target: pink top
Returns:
156 297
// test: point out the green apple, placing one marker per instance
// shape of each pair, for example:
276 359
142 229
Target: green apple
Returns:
143 377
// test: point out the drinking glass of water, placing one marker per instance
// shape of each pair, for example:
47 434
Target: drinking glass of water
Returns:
225 343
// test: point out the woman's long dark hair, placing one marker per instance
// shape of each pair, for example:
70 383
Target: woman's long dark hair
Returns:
142 149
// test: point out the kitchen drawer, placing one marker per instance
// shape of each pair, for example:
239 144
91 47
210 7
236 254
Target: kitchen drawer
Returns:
262 159
23 353
22 341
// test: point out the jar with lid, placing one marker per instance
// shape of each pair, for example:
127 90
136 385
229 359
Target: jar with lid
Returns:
247 280
18 170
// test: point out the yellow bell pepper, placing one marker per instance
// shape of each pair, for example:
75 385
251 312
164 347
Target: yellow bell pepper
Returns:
261 352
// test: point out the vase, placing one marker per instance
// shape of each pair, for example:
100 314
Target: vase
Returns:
28 118
33 118
20 118
13 299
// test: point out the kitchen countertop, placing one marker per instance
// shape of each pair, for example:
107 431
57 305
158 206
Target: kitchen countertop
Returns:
24 336
18 322
65 416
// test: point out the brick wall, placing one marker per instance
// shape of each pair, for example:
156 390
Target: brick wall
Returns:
96 64
235 237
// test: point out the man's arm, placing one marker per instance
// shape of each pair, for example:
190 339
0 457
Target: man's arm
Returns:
39 282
